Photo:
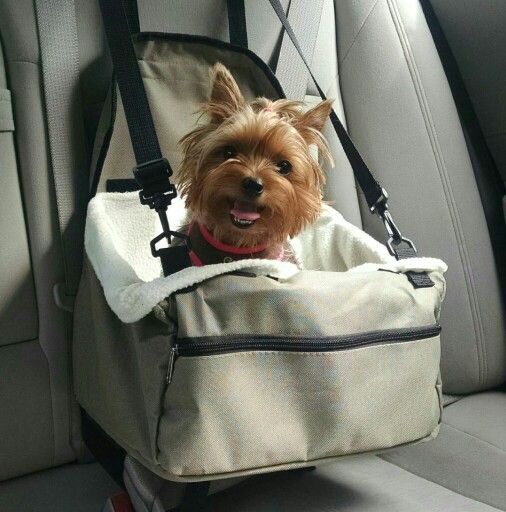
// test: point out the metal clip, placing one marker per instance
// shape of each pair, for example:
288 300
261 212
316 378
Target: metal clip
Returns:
170 367
381 204
395 237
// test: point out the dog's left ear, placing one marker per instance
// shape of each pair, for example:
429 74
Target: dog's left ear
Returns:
226 97
315 117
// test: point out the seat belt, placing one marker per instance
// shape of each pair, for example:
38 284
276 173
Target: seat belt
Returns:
237 23
305 20
57 28
57 32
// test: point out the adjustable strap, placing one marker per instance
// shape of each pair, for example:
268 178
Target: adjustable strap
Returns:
237 23
375 195
153 171
57 27
291 72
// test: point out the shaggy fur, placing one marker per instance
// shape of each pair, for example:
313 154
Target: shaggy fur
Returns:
242 140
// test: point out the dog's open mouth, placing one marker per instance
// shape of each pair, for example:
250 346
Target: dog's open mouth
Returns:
244 214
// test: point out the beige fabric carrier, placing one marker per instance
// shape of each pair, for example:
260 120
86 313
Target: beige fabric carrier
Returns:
258 369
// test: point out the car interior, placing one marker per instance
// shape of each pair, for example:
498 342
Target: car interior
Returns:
420 86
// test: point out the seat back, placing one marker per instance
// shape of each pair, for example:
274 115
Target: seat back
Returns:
402 115
36 424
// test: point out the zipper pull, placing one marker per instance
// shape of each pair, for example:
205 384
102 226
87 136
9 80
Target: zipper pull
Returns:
170 368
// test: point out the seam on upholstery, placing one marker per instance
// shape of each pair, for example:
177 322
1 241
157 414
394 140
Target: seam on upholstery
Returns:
22 61
352 44
475 437
447 188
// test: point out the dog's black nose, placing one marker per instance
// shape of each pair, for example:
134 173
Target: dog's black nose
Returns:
252 187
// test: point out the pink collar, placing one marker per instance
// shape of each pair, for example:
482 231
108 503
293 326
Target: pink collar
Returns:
216 251
228 248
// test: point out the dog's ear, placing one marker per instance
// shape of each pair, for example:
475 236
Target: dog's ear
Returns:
310 125
226 98
315 117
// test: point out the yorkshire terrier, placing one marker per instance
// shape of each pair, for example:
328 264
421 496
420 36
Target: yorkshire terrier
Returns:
248 176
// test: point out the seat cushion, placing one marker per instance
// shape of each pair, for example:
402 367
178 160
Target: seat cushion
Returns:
361 484
469 456
73 487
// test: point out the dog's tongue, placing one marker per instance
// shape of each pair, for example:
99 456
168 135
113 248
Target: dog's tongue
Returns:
245 210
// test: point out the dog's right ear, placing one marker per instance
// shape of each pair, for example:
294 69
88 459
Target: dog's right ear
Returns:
225 98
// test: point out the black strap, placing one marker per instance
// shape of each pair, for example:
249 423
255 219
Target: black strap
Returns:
195 497
237 23
152 171
132 13
133 95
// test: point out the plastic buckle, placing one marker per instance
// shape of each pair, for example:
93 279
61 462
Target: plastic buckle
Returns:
381 204
153 178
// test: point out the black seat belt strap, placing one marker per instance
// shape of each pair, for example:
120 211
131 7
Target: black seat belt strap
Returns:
237 23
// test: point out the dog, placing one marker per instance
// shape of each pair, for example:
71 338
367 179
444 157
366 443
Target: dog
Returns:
247 175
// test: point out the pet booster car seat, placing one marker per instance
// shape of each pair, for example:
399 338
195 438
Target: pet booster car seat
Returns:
253 366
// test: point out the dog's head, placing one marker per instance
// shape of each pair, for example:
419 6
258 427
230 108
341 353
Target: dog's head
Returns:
248 174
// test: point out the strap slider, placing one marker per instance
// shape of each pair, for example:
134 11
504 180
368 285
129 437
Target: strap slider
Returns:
153 178
381 204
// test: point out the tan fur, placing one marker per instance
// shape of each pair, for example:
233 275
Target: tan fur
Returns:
263 132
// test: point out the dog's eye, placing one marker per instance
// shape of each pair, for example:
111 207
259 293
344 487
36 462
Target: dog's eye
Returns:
229 152
284 167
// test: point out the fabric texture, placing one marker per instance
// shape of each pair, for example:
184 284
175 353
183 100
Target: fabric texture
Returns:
469 456
409 132
122 370
56 21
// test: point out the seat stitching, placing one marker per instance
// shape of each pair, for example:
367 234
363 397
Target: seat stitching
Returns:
475 437
23 61
451 202
358 32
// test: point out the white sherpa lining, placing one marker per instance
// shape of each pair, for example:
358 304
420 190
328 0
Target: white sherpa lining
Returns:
119 229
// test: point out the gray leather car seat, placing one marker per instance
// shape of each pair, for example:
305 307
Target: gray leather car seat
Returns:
36 423
377 58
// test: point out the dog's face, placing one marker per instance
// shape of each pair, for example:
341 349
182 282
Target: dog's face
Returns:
247 174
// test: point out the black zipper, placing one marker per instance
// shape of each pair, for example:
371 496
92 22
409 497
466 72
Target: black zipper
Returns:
213 345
